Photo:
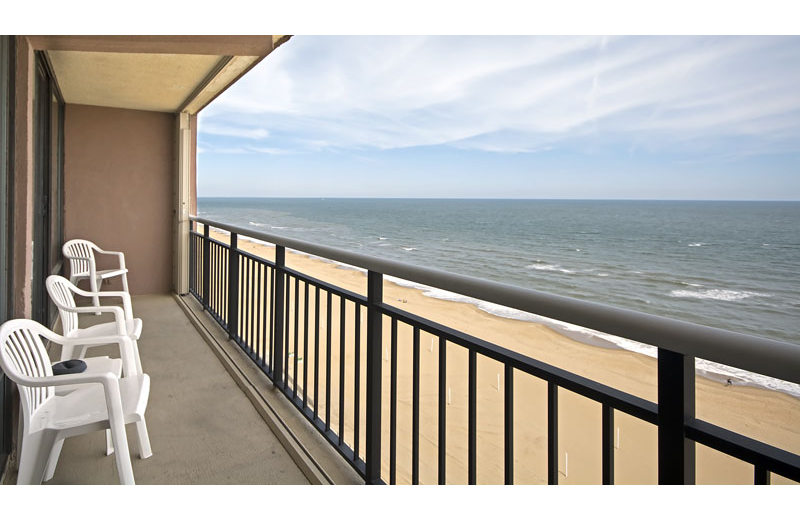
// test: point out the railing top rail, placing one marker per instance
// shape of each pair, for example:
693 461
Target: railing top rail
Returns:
761 355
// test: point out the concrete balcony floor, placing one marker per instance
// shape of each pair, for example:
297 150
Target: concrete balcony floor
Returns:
203 428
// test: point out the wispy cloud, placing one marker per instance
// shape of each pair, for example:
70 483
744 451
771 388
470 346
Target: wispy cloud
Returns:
514 94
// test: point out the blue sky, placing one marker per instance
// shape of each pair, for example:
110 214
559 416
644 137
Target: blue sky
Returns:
510 117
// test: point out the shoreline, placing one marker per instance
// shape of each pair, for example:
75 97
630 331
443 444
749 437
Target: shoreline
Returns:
769 416
707 369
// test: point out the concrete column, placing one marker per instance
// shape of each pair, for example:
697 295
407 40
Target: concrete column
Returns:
23 180
183 203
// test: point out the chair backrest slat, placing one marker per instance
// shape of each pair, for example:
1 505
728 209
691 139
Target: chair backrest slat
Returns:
79 248
59 290
22 354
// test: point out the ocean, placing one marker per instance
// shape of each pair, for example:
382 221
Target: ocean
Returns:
731 265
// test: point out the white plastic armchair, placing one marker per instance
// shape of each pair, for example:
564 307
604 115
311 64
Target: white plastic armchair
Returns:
100 401
125 330
82 265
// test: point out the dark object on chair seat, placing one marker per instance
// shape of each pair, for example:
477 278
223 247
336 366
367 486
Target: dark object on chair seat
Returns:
70 366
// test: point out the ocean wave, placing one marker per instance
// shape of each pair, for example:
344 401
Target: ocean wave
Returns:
697 244
602 274
257 224
541 266
382 238
410 249
277 227
709 369
716 294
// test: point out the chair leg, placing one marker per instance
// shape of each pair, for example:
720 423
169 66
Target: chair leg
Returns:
136 358
36 449
93 282
109 443
144 440
121 453
53 460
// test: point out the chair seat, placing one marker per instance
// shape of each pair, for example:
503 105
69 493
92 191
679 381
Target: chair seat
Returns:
87 406
96 365
133 328
103 274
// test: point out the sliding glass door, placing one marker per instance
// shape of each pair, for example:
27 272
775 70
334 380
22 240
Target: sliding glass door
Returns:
6 214
48 234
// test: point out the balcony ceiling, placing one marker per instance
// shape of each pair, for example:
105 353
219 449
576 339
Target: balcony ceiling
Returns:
157 82
155 73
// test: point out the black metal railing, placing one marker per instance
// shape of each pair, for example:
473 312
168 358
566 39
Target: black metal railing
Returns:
268 310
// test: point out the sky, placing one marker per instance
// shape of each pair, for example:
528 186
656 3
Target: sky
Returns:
712 118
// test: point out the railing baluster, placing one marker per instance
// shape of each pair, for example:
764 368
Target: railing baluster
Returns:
415 410
296 334
252 311
316 352
473 418
271 318
393 406
226 285
191 257
509 425
206 264
286 314
280 289
328 333
265 313
676 453
218 280
608 445
357 383
257 310
305 345
374 376
342 317
212 251
552 433
247 311
761 476
442 409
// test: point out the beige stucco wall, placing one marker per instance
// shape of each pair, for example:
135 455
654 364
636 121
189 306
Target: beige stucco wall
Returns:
23 179
118 188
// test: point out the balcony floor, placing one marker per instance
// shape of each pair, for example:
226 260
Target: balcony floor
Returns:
203 429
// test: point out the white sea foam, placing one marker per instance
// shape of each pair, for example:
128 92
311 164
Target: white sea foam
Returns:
410 249
277 227
698 244
382 238
602 274
706 368
709 369
549 267
257 224
716 294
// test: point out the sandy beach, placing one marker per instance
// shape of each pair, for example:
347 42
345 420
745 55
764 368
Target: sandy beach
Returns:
766 415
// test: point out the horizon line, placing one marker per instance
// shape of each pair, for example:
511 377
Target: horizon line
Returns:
497 198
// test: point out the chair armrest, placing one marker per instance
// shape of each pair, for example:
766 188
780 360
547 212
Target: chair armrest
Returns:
104 378
119 254
119 315
126 299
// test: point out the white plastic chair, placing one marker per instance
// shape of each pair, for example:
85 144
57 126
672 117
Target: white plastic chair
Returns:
82 265
61 291
100 400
